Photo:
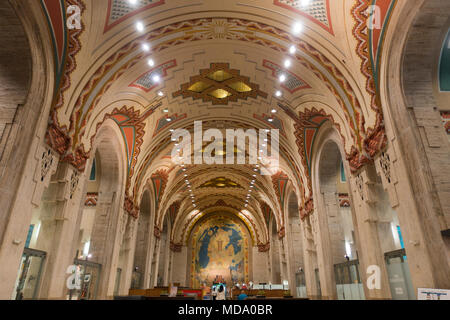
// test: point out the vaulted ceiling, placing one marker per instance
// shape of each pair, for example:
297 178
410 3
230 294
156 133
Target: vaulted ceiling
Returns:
155 66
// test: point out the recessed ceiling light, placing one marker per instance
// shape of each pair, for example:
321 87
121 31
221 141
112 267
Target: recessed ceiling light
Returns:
287 63
161 94
304 3
151 62
139 26
278 93
297 28
282 78
145 47
132 2
292 49
156 78
274 110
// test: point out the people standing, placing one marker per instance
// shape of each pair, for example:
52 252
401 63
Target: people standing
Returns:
214 292
221 293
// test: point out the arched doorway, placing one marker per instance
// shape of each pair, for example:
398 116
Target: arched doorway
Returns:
294 234
164 255
100 235
275 252
141 265
339 271
26 77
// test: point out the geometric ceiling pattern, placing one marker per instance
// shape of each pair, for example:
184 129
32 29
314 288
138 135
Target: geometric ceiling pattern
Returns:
120 10
292 83
221 183
220 85
317 10
151 79
234 40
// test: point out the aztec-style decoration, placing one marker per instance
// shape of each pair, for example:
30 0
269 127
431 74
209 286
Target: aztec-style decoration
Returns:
74 180
360 185
370 43
317 11
173 211
220 85
385 164
272 121
66 42
264 247
147 80
280 181
221 183
165 121
267 213
91 199
306 126
220 248
132 125
46 163
344 200
293 82
121 10
159 181
61 140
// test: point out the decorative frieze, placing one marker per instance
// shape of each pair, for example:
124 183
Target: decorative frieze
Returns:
264 247
385 164
46 163
74 179
91 199
344 200
359 180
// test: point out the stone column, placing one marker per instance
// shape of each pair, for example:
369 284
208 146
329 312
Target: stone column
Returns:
35 179
180 259
60 207
365 221
424 245
260 265
324 245
109 227
309 258
127 256
155 263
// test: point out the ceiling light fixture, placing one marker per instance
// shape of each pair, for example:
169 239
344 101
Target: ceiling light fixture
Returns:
292 49
297 28
139 26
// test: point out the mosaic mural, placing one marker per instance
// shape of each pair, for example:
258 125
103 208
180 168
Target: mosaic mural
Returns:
219 250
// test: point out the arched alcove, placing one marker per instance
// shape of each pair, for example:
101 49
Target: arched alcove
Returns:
275 251
141 265
338 260
220 246
164 254
99 244
294 234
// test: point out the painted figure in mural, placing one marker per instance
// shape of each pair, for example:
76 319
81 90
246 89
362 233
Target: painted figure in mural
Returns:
220 251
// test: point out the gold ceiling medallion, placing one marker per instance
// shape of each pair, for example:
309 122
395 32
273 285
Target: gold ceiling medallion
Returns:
220 85
221 183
